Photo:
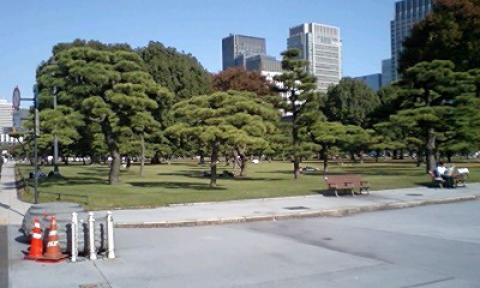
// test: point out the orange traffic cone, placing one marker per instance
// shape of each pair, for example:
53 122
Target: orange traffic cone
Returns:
36 244
53 252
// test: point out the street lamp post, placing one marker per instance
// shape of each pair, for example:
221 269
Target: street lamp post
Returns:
55 139
36 131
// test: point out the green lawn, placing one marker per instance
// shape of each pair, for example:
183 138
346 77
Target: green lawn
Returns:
181 182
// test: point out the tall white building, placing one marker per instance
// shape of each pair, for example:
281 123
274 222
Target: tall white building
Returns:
321 46
6 112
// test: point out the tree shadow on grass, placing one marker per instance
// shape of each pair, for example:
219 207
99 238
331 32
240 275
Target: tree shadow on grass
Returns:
386 172
185 173
73 181
247 178
221 176
276 172
176 185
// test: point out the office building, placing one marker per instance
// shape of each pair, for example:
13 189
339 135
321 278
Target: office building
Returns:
386 72
6 115
321 46
407 14
6 111
237 48
373 81
263 63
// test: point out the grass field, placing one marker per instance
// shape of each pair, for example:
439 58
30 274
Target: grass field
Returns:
182 182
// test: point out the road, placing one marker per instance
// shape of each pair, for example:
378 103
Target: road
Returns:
3 255
433 246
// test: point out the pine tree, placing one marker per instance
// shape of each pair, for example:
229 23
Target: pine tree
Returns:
300 88
431 94
109 86
233 118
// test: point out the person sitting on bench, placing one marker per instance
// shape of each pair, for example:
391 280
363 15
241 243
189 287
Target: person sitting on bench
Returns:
445 173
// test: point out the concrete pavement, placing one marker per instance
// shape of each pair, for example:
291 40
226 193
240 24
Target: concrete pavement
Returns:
289 207
433 246
3 256
11 208
11 213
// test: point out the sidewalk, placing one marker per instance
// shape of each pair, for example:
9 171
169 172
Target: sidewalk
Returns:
12 209
291 207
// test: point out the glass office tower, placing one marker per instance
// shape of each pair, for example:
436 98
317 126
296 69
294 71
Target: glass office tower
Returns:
237 48
407 14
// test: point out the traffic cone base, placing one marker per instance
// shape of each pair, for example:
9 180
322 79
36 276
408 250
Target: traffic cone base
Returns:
52 259
53 252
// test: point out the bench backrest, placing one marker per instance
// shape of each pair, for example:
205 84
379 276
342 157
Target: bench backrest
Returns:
341 179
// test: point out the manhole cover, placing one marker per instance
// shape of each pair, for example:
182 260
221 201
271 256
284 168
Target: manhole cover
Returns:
94 285
414 194
296 208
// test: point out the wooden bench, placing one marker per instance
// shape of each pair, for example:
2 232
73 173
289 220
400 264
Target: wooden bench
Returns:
454 181
459 179
346 183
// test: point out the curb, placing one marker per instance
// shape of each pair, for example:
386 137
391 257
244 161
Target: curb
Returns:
342 212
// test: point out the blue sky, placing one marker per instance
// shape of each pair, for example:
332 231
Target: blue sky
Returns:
29 29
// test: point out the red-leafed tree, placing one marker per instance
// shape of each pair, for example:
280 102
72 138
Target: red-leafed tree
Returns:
241 80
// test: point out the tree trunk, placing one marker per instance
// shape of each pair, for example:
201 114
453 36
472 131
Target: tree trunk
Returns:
361 157
66 160
352 157
114 174
295 135
213 165
243 162
156 158
202 159
296 167
377 152
129 162
430 155
235 161
401 154
419 157
324 154
142 156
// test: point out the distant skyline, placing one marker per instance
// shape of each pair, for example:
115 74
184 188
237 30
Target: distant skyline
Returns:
29 29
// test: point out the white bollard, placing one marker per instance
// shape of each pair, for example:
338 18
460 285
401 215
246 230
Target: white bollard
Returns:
111 244
91 238
74 229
